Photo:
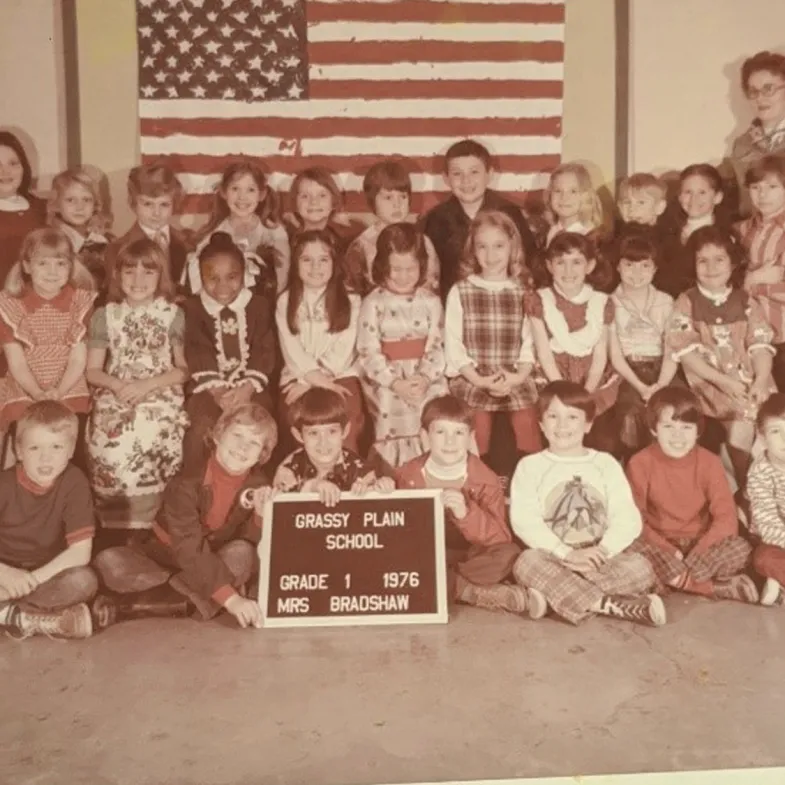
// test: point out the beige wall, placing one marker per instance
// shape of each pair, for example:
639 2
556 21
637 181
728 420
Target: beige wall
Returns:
31 82
107 73
685 55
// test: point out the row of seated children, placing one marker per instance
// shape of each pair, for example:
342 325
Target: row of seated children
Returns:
595 541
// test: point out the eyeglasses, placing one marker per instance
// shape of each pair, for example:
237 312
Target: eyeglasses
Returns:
767 91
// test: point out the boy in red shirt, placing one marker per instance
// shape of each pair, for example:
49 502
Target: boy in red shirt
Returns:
46 529
690 522
480 548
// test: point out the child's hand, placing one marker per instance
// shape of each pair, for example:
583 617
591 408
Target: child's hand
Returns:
294 391
419 386
488 382
16 583
384 485
237 396
247 612
586 560
735 388
362 484
260 498
647 390
284 479
759 391
134 392
453 500
404 389
329 492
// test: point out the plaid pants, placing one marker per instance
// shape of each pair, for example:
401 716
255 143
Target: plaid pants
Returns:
722 560
571 595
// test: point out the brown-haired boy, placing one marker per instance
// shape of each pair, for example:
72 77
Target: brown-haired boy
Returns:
154 195
468 168
480 549
388 191
574 509
46 529
320 423
690 522
201 553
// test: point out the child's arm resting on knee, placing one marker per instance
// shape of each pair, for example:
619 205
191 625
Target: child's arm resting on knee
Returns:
15 582
76 555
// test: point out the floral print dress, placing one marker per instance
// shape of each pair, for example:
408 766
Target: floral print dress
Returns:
134 450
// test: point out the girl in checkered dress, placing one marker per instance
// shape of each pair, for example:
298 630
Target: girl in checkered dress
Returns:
44 311
136 364
400 344
488 338
570 323
77 210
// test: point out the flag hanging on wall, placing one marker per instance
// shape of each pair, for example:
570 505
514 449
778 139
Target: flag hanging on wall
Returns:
345 83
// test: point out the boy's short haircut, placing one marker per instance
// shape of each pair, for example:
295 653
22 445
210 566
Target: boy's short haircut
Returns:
685 405
636 246
773 408
643 181
52 415
468 148
319 406
251 414
387 175
760 169
153 180
446 407
570 394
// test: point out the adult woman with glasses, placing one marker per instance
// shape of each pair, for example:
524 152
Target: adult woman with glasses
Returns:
763 82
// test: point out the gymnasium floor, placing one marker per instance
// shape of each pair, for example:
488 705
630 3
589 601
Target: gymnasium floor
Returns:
487 696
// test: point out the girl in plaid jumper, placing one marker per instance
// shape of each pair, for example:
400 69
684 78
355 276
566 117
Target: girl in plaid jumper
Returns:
488 340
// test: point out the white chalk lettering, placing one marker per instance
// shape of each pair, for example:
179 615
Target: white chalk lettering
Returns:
303 582
321 520
293 605
353 542
369 603
385 519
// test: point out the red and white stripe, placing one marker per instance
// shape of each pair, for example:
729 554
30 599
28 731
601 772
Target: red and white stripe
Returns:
389 77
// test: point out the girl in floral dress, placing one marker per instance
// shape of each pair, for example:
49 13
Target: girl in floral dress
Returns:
136 362
723 341
400 342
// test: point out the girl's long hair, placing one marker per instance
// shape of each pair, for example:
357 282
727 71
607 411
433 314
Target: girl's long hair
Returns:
336 297
321 176
676 216
151 256
591 207
7 139
517 269
101 219
268 209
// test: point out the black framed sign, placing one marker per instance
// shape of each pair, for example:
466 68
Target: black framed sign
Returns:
371 559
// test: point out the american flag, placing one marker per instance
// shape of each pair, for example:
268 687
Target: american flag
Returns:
345 83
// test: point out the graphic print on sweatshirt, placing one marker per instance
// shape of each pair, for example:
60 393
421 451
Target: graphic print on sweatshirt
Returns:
576 512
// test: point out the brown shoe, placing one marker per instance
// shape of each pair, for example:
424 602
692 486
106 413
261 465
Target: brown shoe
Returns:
740 588
649 609
503 597
73 622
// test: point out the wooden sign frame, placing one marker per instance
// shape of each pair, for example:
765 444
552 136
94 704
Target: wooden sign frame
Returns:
439 616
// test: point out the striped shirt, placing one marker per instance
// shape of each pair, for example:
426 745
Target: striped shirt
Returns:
766 492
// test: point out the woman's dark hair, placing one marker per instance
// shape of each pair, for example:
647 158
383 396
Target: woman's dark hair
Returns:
7 139
762 61
336 298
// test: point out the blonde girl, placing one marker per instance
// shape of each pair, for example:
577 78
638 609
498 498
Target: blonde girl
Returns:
488 336
44 311
572 204
400 343
136 366
248 210
317 326
77 209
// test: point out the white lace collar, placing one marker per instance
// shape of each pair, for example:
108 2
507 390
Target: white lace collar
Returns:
14 204
718 298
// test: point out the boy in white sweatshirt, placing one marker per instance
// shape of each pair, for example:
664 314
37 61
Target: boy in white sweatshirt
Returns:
573 507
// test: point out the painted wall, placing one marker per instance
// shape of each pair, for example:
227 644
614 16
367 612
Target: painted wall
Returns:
686 104
32 87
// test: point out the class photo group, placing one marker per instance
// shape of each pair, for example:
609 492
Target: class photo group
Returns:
599 399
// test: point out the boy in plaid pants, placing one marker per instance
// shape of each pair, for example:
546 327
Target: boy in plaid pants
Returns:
690 522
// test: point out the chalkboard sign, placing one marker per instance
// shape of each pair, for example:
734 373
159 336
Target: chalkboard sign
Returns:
375 559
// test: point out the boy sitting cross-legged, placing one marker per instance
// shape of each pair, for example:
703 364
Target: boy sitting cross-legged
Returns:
574 509
201 554
766 492
323 465
690 522
480 550
46 530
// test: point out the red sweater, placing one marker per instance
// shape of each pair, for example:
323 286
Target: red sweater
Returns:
682 498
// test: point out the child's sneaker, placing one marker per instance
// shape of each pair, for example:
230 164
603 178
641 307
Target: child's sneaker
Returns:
503 597
773 593
73 622
643 610
740 588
